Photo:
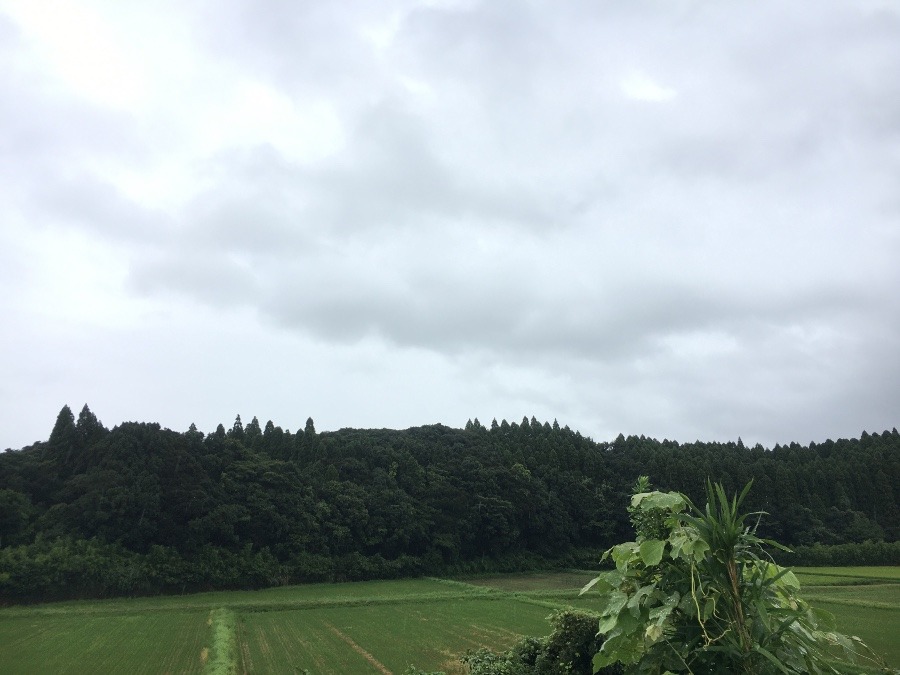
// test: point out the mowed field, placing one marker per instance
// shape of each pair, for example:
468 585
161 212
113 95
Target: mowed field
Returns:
365 627
865 602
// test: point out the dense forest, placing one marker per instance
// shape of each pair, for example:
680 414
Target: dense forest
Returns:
142 509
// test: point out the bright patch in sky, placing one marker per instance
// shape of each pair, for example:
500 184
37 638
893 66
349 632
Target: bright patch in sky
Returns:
258 115
83 50
640 87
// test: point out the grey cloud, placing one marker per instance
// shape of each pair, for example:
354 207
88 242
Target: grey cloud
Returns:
222 282
419 290
721 257
387 181
93 205
307 48
50 145
43 125
392 175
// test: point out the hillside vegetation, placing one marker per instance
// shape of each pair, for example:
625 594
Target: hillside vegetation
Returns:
140 509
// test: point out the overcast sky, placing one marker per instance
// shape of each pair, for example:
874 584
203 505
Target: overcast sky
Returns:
677 218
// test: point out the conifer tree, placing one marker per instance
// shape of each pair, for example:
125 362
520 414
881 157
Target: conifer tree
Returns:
63 438
237 429
64 429
88 429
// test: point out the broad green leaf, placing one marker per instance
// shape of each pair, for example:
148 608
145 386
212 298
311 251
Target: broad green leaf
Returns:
607 623
627 649
686 605
615 648
670 501
613 578
601 660
631 649
651 551
640 594
615 601
789 579
629 623
679 538
822 618
589 585
844 642
698 548
660 614
638 498
623 553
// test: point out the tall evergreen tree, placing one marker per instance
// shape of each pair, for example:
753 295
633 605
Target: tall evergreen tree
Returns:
253 434
64 438
237 429
64 429
88 429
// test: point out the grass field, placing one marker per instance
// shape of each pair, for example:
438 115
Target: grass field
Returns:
366 627
865 602
383 638
133 643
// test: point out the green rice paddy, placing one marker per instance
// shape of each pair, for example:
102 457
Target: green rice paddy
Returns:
366 627
132 643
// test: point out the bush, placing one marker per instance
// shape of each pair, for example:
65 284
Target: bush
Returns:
696 592
568 649
842 555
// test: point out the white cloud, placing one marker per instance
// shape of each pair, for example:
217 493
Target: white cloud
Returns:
641 87
81 49
258 115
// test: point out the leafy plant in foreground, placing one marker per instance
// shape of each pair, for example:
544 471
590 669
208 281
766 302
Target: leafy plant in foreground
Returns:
696 592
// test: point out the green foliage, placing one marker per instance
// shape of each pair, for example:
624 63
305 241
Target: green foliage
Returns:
568 649
15 509
696 592
64 430
843 555
160 511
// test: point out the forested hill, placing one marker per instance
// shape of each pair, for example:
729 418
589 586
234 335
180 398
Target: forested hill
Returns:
142 509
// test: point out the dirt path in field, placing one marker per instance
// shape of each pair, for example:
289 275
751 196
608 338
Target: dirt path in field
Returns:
359 650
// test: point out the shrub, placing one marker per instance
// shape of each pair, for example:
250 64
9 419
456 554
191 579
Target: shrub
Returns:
696 592
568 649
843 555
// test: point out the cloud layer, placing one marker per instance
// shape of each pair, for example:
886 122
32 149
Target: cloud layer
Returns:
678 219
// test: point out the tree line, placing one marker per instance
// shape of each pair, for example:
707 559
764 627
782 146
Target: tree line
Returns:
143 509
